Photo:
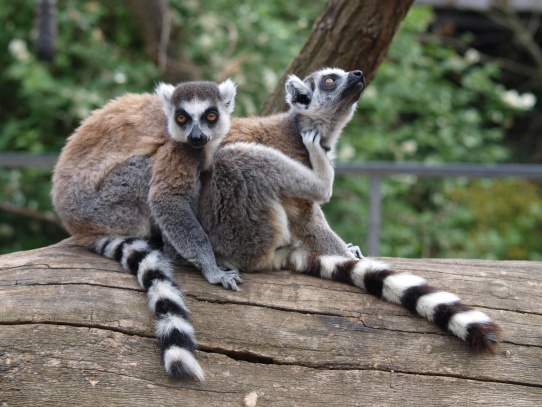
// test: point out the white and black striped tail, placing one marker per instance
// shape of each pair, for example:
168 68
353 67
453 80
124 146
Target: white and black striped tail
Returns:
445 309
154 273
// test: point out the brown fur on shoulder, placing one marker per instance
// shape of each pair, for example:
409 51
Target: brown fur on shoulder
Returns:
279 131
123 128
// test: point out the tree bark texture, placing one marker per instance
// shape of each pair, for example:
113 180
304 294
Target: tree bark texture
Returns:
349 34
75 330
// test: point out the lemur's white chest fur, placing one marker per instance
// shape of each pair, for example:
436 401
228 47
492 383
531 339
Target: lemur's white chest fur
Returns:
279 221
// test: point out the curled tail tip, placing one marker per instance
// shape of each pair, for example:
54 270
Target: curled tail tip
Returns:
181 364
484 337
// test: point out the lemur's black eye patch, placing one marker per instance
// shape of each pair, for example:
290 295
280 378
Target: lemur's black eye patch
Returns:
303 99
182 117
329 82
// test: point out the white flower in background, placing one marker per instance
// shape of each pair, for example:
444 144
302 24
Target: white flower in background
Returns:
472 56
19 50
370 92
409 147
524 101
346 152
119 77
270 79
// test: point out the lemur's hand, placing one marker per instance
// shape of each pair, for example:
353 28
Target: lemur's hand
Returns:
321 165
228 277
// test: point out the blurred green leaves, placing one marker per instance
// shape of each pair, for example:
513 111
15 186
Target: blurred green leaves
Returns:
99 57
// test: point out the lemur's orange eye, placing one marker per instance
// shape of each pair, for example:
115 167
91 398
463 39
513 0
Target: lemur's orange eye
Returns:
211 117
181 118
329 80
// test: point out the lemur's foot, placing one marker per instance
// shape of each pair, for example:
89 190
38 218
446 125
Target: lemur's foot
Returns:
229 278
355 250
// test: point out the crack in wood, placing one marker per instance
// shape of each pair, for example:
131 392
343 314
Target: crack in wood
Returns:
45 284
241 356
76 325
251 357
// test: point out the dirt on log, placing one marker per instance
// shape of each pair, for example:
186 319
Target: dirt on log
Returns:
75 329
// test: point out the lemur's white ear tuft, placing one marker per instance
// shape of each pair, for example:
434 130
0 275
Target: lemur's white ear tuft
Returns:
228 91
164 92
297 93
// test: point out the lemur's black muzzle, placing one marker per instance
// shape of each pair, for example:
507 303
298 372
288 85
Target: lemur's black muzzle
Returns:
197 138
355 77
355 83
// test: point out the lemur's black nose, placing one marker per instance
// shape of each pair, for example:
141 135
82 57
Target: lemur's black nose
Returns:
359 75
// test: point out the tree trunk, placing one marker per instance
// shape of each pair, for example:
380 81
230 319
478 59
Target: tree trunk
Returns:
75 330
349 34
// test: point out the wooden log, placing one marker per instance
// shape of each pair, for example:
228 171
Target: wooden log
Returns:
75 328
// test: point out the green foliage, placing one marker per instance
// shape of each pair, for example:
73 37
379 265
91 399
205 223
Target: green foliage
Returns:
46 101
430 104
503 219
42 103
28 189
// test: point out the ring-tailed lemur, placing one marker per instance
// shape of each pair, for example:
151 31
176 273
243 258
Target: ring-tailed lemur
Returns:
135 164
249 209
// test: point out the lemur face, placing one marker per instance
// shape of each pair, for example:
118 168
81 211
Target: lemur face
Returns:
197 112
327 92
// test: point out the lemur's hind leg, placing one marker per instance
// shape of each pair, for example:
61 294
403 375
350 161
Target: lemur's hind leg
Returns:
444 309
309 226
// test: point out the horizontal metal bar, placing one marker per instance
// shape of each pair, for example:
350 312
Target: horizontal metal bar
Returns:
24 160
528 171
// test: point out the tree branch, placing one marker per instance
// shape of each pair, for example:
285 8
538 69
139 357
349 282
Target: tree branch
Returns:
523 36
44 216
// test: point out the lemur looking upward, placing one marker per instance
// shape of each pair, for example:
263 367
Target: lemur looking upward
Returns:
256 221
136 163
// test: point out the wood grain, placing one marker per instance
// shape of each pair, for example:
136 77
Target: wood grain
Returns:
74 328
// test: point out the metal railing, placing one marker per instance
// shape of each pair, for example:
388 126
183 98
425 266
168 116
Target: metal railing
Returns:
24 160
374 170
377 170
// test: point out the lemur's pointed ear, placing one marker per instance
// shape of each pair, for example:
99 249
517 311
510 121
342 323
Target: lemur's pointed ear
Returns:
227 92
297 93
165 92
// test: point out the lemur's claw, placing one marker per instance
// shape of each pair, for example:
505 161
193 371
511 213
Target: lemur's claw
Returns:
355 250
229 278
311 137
